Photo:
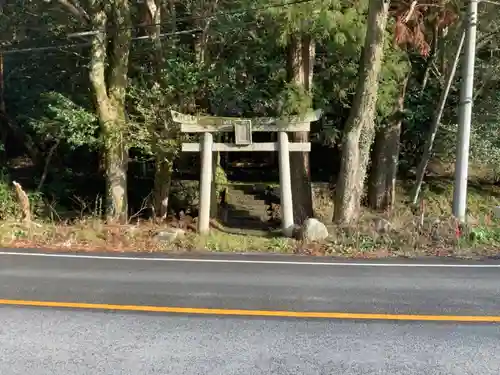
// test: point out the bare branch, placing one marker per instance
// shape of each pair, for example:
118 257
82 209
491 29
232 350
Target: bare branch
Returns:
75 9
47 164
409 15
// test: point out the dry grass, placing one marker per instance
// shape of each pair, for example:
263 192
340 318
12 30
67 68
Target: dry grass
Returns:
407 231
428 229
84 235
94 235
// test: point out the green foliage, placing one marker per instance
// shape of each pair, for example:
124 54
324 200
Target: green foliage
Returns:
293 100
419 109
319 18
220 175
247 71
150 127
484 235
48 93
9 205
485 141
9 208
63 119
394 70
336 74
184 195
484 146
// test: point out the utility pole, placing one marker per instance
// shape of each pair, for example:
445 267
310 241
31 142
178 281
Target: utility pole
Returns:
465 115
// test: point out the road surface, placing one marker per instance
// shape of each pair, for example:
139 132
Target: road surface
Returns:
375 318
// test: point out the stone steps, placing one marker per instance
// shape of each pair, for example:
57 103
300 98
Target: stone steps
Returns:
246 209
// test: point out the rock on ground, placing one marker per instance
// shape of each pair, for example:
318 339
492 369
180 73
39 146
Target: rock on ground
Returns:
382 225
170 235
313 230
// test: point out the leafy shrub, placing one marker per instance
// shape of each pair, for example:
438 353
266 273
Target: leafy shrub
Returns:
8 204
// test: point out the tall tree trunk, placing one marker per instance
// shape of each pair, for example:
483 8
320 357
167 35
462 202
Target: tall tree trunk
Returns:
385 157
163 159
2 100
201 48
202 103
301 55
116 159
3 116
110 98
360 128
443 33
162 183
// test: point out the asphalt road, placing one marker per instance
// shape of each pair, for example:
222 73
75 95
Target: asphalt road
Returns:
38 340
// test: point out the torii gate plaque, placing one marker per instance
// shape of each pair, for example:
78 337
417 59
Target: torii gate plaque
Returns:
243 129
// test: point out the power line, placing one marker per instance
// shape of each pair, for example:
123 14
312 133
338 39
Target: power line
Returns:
196 18
235 12
88 44
60 47
214 16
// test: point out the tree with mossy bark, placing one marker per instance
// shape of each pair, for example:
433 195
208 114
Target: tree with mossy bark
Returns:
111 24
360 127
420 31
302 27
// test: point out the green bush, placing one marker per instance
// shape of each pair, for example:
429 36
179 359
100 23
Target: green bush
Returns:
9 207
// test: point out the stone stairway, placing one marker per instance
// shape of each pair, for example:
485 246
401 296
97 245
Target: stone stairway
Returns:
246 207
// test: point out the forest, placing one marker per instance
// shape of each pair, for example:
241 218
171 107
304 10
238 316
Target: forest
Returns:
91 158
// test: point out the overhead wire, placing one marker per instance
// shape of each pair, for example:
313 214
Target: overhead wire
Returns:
67 46
163 23
88 44
169 22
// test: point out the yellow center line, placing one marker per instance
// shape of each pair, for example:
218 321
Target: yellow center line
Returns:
258 313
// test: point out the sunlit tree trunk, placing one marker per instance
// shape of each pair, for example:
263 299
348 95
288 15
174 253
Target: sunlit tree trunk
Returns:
109 86
301 54
359 130
382 181
163 159
201 100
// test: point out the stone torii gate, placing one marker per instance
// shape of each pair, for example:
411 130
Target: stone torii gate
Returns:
243 129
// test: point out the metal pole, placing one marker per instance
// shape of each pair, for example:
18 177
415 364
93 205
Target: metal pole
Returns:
285 185
205 183
465 115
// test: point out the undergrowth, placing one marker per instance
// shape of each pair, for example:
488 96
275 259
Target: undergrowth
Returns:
408 231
